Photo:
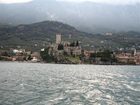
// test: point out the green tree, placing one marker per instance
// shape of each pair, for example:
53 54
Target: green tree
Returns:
46 56
77 43
72 44
106 56
60 47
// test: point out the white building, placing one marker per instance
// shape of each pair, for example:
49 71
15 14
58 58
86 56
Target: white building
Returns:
18 51
109 34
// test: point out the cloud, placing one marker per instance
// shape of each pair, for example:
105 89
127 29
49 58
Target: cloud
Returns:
13 1
122 2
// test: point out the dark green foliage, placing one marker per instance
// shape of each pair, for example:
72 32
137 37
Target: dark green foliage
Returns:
1 58
72 44
60 47
106 56
77 43
29 57
46 56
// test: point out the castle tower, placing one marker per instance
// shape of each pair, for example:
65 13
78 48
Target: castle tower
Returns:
58 38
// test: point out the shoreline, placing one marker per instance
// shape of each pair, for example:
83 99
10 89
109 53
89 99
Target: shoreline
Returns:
29 62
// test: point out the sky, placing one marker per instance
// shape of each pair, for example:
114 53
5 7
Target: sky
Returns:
120 2
13 1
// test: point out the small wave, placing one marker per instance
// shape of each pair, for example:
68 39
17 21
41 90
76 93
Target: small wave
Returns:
108 96
92 81
131 88
94 93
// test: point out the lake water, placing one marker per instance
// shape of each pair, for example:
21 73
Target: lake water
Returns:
50 84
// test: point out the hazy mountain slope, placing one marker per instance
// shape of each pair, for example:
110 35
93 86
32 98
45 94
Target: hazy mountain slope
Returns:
86 16
38 35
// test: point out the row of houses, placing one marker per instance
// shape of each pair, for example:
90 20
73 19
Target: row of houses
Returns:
129 57
20 55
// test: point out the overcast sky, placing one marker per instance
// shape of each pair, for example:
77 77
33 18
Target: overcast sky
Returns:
14 1
121 2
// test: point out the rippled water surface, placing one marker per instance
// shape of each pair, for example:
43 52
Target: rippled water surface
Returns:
49 84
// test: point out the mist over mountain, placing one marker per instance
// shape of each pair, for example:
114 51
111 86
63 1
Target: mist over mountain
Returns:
85 16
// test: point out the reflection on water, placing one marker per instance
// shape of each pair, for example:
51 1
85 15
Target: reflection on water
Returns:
49 84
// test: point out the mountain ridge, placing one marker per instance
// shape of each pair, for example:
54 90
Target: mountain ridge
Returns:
41 34
92 16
